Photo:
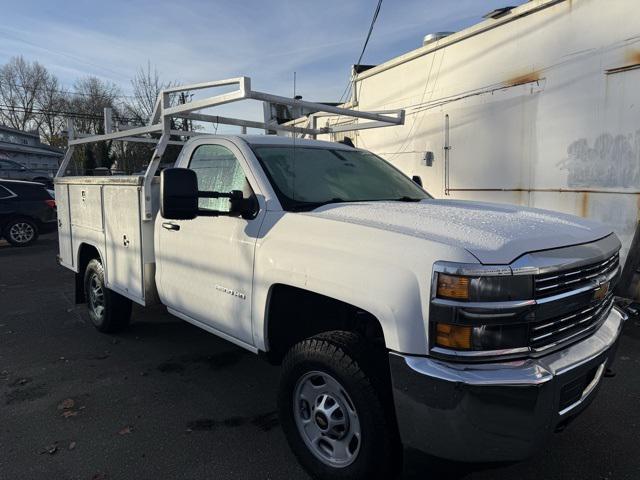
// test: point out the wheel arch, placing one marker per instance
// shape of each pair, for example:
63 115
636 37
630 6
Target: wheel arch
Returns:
86 253
288 304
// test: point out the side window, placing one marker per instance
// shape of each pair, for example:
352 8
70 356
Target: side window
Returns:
218 170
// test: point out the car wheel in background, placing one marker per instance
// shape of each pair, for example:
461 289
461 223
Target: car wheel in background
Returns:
21 232
109 311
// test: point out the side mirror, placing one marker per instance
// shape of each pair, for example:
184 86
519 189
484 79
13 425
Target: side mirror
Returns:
416 179
178 194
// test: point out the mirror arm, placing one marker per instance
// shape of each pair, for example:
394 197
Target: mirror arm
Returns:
233 194
216 213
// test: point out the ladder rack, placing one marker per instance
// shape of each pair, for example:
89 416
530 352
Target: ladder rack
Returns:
160 122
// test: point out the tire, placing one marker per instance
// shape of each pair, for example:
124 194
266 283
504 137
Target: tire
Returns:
329 378
109 311
21 232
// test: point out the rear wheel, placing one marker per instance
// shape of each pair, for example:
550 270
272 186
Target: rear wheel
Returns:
335 410
109 311
21 232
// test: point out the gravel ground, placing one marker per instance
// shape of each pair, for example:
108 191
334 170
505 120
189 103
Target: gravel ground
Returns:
167 401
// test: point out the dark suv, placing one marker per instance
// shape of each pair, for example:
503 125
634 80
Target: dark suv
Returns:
26 210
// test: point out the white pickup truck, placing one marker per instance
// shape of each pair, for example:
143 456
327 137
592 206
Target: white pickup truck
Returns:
469 331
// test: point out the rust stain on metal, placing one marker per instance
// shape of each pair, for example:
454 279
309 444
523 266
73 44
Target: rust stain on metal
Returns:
521 79
633 57
632 62
584 206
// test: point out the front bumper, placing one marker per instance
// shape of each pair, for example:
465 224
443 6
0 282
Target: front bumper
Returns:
498 411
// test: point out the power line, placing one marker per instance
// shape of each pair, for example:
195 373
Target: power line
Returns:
61 113
364 46
67 92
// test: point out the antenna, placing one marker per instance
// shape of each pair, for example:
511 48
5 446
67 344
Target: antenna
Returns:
293 133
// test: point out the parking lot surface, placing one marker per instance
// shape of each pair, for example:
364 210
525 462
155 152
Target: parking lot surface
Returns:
166 400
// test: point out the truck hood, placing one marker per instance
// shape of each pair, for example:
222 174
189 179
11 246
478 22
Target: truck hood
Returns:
493 233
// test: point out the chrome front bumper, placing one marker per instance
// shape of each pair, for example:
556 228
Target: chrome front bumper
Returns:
498 411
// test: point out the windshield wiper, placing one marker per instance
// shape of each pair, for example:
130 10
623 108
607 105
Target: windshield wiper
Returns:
407 199
306 206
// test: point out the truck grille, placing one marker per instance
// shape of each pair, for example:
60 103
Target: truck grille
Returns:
550 284
570 326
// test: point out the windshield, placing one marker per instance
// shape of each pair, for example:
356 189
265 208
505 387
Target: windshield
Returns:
305 178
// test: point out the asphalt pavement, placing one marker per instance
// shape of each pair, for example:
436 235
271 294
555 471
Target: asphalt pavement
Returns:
165 400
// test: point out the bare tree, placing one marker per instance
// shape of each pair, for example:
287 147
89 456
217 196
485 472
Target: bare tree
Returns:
91 96
146 85
52 103
21 85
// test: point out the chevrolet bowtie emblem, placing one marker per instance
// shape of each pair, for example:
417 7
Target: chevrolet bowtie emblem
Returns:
601 291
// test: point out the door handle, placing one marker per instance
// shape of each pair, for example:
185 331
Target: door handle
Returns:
170 226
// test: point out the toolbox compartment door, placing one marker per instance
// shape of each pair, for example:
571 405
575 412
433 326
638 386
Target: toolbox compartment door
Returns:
123 249
65 253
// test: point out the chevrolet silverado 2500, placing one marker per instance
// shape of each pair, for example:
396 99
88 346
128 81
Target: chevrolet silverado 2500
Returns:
470 331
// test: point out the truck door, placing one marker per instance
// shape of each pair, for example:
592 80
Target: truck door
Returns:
205 265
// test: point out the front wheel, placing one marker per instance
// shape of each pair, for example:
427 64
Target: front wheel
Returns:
335 409
109 311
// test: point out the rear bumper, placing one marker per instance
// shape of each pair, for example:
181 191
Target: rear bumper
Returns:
498 411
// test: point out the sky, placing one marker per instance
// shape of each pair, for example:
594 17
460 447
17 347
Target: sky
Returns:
191 41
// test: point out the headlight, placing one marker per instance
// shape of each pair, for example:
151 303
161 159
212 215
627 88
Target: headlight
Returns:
475 313
481 338
484 289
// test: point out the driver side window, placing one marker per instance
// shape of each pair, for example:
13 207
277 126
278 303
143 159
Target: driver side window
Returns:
218 170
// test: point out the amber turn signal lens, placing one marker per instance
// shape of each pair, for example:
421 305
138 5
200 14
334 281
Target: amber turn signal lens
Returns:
453 336
453 287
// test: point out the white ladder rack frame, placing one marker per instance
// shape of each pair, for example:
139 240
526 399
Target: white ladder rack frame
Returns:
160 122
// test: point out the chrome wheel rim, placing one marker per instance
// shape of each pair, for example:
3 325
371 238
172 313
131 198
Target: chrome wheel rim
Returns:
96 296
327 419
21 232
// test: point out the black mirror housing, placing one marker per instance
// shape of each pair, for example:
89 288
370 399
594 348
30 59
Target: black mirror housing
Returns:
417 180
247 208
178 194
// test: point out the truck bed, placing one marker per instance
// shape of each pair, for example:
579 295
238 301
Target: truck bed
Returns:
106 213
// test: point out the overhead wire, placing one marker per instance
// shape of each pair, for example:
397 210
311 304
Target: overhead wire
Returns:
364 46
62 113
63 91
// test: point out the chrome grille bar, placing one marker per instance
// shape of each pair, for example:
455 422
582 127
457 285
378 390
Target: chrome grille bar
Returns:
567 327
552 284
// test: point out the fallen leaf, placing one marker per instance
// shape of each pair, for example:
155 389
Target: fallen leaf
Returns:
69 413
50 449
126 430
66 404
72 445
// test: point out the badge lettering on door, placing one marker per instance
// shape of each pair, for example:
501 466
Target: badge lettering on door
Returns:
231 292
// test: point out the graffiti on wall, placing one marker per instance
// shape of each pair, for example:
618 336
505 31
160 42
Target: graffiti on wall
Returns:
612 161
